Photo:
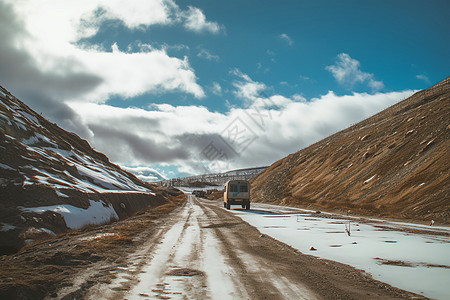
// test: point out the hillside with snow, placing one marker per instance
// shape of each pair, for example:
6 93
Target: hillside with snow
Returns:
51 180
393 164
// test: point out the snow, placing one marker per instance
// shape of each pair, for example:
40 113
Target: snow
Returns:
60 194
98 236
31 118
76 217
368 180
47 230
368 245
31 140
103 180
6 227
37 137
6 167
189 189
96 176
177 248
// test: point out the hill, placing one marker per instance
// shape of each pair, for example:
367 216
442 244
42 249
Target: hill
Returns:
393 164
52 181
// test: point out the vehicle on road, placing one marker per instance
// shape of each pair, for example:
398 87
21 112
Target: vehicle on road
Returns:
236 192
199 193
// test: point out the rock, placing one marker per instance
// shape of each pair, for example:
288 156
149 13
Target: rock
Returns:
312 249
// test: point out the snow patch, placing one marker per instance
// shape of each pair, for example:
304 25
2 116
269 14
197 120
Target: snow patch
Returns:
47 230
7 227
368 180
6 167
61 194
36 138
97 213
31 118
425 255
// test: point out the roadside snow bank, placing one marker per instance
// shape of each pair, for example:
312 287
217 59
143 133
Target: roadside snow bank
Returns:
409 256
97 213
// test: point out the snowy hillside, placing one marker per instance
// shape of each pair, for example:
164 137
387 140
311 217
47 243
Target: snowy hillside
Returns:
52 180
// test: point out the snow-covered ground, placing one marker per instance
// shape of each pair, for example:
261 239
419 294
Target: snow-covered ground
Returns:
190 189
75 217
404 255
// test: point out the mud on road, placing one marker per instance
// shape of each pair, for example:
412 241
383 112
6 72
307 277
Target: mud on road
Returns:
204 252
198 251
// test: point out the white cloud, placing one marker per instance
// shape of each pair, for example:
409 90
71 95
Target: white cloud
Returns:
132 74
246 88
195 20
423 78
286 38
216 89
275 127
203 53
146 173
347 72
44 51
52 29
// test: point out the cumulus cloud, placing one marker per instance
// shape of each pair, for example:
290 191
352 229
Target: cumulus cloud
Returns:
246 88
40 52
151 72
197 140
286 38
41 87
195 20
347 72
146 173
42 63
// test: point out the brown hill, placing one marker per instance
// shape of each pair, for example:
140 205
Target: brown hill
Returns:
52 181
393 164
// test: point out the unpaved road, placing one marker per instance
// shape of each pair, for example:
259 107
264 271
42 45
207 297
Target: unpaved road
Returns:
204 252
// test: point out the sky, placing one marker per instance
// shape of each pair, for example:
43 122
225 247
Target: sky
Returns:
174 88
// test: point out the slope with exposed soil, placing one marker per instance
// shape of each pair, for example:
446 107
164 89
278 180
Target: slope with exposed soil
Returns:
393 164
51 180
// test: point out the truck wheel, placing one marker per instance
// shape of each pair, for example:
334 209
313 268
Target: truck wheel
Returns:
248 206
228 205
243 205
225 204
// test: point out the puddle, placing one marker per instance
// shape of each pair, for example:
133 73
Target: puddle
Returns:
185 272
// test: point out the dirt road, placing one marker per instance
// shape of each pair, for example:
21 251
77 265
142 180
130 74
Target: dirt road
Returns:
204 252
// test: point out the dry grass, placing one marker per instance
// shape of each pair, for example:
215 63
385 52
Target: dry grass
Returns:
39 269
394 164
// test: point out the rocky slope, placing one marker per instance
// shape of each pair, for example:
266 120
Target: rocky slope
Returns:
393 164
52 181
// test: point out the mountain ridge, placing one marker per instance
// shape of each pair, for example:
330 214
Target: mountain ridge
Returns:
52 181
393 164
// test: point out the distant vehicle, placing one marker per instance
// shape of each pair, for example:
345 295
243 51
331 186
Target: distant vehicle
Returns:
199 193
237 192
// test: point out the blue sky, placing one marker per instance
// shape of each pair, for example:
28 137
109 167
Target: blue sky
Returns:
288 44
153 84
